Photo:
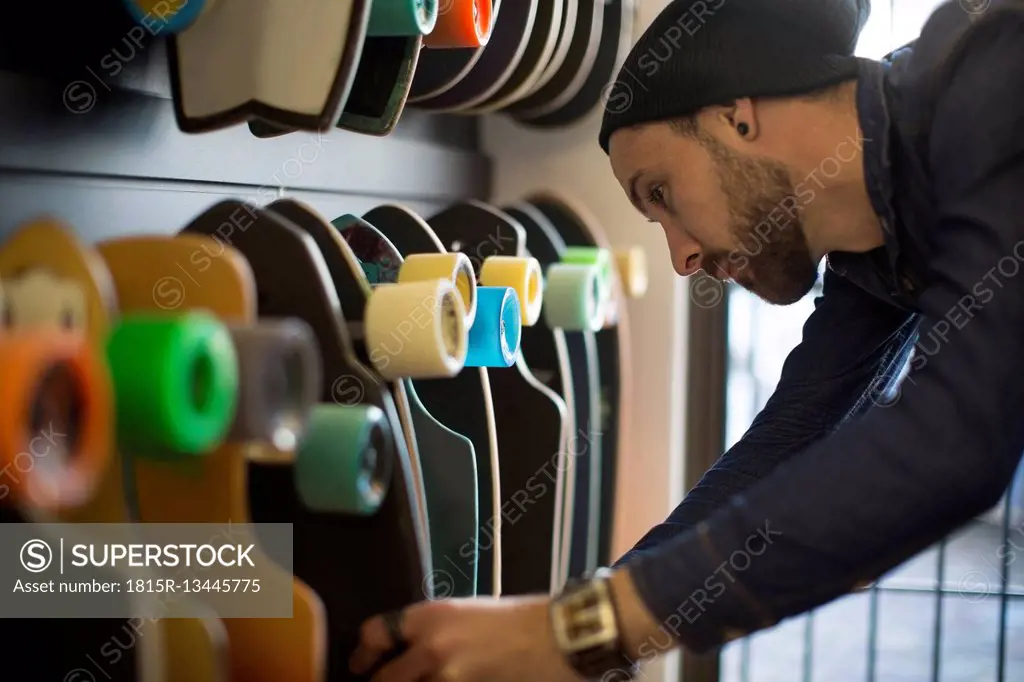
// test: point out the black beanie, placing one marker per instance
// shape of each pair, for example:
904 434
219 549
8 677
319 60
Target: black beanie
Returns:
699 53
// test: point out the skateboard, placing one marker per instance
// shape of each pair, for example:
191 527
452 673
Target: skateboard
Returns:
279 382
450 470
570 10
538 466
57 283
540 47
578 228
240 61
465 404
615 38
412 330
550 249
379 90
439 70
293 281
567 80
498 61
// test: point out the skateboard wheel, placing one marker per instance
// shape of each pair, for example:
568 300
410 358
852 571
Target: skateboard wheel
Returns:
278 383
343 464
521 274
402 17
588 255
461 23
416 330
494 336
55 439
166 16
175 383
632 267
572 300
455 267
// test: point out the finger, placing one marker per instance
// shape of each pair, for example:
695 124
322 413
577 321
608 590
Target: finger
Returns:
378 636
417 664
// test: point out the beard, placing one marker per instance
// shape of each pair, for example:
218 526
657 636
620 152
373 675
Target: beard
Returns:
772 259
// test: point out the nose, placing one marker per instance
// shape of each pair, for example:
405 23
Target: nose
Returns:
686 253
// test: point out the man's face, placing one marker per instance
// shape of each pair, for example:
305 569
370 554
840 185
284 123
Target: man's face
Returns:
732 216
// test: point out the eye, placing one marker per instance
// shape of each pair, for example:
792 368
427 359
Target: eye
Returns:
656 196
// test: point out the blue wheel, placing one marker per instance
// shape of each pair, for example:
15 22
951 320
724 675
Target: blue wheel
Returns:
166 16
494 336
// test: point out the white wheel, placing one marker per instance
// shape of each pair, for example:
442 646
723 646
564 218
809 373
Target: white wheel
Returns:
454 267
416 330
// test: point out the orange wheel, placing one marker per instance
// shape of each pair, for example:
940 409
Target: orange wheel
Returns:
461 23
55 407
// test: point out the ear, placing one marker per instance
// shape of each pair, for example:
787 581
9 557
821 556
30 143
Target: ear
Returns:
741 118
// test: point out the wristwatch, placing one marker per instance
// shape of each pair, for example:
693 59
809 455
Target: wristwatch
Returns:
586 627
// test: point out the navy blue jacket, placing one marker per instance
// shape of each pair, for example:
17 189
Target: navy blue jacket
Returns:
847 472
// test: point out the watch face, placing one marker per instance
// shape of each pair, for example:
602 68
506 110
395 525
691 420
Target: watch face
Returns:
585 618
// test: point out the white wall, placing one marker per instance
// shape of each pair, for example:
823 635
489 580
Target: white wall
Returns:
571 162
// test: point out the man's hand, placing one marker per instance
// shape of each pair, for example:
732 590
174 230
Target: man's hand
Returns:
467 640
490 640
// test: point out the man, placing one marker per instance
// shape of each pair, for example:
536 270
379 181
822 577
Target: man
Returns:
761 146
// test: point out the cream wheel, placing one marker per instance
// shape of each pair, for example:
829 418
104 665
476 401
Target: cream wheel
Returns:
416 330
454 267
632 267
523 275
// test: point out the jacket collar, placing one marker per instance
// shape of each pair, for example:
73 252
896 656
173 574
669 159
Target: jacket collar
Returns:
874 113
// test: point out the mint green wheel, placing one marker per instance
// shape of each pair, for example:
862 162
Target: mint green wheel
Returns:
573 297
402 17
344 462
175 384
591 255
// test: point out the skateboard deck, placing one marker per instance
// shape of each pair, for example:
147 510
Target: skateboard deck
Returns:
381 85
293 281
290 65
59 282
615 39
379 90
470 414
382 331
498 61
439 70
536 460
448 458
548 247
543 40
578 228
268 423
566 26
567 81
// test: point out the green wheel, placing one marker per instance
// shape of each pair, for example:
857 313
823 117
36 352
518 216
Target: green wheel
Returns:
402 17
590 255
572 297
344 462
175 383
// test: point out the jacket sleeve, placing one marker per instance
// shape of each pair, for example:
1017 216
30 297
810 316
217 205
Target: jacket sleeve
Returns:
891 483
852 344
